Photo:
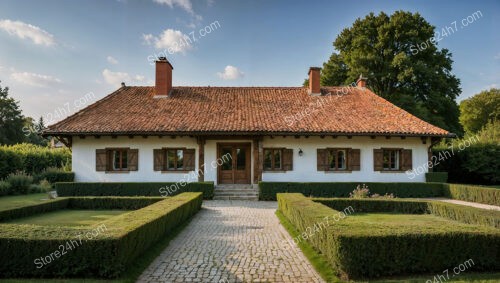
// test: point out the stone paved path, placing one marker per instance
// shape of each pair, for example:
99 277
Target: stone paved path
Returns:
232 241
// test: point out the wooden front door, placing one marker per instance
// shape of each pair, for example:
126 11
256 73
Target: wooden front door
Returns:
235 159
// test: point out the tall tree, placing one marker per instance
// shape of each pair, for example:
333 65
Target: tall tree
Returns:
480 109
399 55
11 119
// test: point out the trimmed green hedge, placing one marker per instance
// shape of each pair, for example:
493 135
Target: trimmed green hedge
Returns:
107 254
356 249
472 193
461 213
268 190
29 210
55 176
375 205
436 177
133 189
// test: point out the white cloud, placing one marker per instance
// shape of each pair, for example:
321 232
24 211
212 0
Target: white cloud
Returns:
174 41
112 60
230 73
184 4
35 79
116 78
27 31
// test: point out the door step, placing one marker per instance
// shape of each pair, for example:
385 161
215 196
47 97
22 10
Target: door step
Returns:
236 192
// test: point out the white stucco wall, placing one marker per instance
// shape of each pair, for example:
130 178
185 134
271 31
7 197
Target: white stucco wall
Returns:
83 160
304 167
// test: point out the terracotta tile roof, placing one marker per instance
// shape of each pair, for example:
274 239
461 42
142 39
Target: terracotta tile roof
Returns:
244 110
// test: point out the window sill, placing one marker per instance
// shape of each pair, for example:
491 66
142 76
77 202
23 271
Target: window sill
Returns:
392 171
118 172
338 171
176 171
274 171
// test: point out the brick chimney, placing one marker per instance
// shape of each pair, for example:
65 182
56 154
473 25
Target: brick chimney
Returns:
163 84
361 82
314 85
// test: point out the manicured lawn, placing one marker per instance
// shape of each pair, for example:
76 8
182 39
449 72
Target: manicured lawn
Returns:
10 202
69 217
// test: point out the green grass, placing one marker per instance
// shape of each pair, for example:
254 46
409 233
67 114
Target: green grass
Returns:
320 264
69 217
10 202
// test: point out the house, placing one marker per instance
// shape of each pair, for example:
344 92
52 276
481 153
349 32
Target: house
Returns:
242 135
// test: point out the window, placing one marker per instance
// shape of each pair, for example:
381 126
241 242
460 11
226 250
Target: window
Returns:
120 159
391 159
175 159
273 159
337 159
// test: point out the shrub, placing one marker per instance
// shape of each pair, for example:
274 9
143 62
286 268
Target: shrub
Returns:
53 175
4 188
436 177
30 158
472 193
108 254
20 183
465 214
375 205
268 190
360 192
132 189
357 250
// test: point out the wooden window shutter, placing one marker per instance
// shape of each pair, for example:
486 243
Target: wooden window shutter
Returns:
189 159
159 159
322 154
406 160
133 159
378 159
287 159
100 160
354 160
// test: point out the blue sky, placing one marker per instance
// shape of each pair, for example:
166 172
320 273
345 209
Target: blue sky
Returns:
54 53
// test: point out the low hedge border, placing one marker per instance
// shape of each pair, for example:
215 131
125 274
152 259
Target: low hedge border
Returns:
461 213
133 188
357 252
106 255
472 193
55 176
436 177
268 190
29 210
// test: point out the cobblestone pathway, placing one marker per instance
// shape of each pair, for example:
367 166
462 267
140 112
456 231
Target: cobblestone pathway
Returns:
232 241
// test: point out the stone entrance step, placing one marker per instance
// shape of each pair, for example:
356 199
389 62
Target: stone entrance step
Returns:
236 192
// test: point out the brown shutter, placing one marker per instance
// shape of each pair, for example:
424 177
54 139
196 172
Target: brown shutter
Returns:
287 159
406 160
354 159
159 159
100 160
378 160
189 158
133 159
322 159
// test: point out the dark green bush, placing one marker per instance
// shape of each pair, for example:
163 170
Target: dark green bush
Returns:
30 158
133 189
465 214
357 250
436 177
268 190
29 210
54 175
478 163
19 183
472 193
108 254
127 203
4 188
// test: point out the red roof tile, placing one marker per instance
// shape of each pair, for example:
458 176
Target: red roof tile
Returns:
244 110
